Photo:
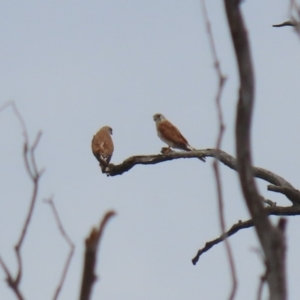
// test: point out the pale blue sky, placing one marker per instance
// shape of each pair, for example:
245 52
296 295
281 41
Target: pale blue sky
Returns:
74 66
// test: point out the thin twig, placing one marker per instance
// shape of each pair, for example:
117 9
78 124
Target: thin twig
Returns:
216 164
295 20
10 281
287 23
263 278
90 257
12 104
234 229
29 159
69 242
34 174
35 171
274 210
262 281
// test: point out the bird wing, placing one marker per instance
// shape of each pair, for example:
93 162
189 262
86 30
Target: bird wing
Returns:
171 133
102 146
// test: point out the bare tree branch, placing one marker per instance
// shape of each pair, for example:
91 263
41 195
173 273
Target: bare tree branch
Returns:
262 281
263 278
34 174
294 21
11 281
292 194
271 239
19 118
295 16
269 202
287 23
90 257
274 210
69 242
222 156
130 162
234 229
216 164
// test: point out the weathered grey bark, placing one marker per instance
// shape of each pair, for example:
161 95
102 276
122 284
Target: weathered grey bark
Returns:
271 238
222 156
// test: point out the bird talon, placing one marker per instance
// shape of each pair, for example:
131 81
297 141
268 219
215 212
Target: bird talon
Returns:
166 150
170 134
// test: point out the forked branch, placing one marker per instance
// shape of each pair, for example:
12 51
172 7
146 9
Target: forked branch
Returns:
35 175
222 156
69 242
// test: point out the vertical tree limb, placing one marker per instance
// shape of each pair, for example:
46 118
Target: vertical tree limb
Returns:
90 257
69 242
216 164
35 175
295 16
271 238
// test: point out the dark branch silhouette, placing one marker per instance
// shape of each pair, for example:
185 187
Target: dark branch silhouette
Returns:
287 23
69 242
234 229
271 238
216 163
35 175
130 162
92 242
274 210
294 18
222 156
90 257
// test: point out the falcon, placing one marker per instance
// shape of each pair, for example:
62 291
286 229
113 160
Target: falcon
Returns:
103 147
169 134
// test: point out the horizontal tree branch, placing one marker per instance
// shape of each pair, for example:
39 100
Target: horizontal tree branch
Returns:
287 23
274 210
224 157
292 194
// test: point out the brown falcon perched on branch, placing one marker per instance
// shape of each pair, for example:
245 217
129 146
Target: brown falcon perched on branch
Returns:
170 134
103 147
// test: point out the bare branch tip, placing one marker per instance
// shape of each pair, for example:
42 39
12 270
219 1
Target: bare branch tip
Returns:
37 139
